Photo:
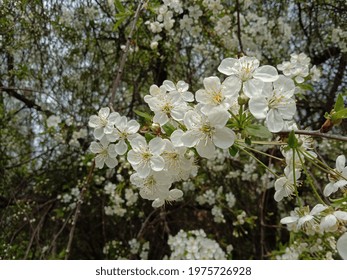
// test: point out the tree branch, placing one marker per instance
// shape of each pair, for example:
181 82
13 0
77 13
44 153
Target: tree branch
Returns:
316 134
239 27
121 64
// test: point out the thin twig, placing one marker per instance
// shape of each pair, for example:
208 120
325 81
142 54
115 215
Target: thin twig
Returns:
316 134
124 57
239 27
78 211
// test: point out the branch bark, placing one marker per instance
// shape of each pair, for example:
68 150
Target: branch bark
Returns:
121 64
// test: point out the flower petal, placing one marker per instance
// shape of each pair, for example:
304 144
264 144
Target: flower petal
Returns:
121 147
94 121
258 106
157 163
253 88
342 246
224 137
340 163
266 73
227 65
206 149
104 112
274 121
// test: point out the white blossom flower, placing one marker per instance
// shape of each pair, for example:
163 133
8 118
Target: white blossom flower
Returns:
248 73
217 95
181 87
275 103
146 157
165 105
53 121
342 246
338 179
125 130
106 153
284 186
331 222
103 123
206 132
301 218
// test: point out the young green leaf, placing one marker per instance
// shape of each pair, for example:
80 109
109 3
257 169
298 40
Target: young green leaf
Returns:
292 141
339 105
143 115
258 130
233 150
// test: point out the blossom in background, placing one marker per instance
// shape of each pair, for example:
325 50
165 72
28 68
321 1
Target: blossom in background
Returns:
248 74
145 157
53 121
206 132
275 103
103 123
338 179
105 153
284 186
217 95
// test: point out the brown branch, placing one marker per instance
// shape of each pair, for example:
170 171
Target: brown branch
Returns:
78 210
239 28
11 91
316 134
121 64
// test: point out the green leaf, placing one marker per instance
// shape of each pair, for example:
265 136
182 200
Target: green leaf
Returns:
306 87
248 141
233 150
292 141
168 128
143 115
119 6
339 105
120 18
341 114
258 130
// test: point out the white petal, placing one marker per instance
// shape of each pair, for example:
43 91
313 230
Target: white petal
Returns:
226 66
202 96
341 215
139 143
157 163
279 195
266 73
253 88
169 85
156 146
133 126
288 109
160 118
304 220
329 189
190 138
274 121
134 158
206 149
279 183
176 138
111 162
231 86
285 86
121 147
340 184
224 137
318 209
94 121
96 148
104 112
342 246
218 118
212 84
98 133
187 96
143 169
175 194
99 161
328 221
289 220
113 118
340 163
182 86
111 150
258 106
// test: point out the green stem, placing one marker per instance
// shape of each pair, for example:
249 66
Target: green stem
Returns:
263 153
259 161
294 179
309 178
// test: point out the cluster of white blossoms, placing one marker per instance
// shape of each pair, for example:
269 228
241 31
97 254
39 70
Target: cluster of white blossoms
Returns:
194 245
298 68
